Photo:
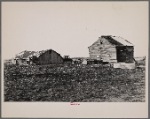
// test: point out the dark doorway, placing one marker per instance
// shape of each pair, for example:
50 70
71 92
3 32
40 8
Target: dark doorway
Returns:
121 54
125 54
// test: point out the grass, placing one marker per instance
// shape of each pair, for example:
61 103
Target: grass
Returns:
84 83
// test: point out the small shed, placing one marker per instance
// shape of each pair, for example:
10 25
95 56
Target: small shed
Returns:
67 60
76 61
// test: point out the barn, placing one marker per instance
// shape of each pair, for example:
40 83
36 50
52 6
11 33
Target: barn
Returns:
113 49
40 57
47 57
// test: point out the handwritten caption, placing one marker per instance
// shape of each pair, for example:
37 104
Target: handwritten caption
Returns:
74 103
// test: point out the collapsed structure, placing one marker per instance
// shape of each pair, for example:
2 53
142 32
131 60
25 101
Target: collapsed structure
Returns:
40 57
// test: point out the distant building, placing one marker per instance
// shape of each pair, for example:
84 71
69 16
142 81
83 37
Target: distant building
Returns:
40 57
10 61
24 57
67 60
76 61
112 49
48 57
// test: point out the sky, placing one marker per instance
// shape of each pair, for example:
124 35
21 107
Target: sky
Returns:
71 27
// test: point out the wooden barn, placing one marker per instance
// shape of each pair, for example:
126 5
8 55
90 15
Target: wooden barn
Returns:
113 49
40 57
47 57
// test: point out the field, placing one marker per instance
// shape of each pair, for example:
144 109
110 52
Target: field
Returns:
85 83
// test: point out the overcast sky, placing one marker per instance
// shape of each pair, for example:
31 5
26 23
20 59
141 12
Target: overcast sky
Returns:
70 27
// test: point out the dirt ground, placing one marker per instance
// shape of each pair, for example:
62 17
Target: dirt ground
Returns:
85 83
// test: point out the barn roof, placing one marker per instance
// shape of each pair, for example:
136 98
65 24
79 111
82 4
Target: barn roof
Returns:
115 40
38 53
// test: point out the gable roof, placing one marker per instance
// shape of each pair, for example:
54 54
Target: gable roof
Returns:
114 40
117 40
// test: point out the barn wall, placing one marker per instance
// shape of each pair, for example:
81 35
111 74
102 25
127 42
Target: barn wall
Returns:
56 58
104 50
50 57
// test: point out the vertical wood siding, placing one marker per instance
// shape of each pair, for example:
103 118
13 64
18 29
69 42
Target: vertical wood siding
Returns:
50 57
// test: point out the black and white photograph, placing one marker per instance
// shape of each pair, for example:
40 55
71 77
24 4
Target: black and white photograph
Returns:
75 52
